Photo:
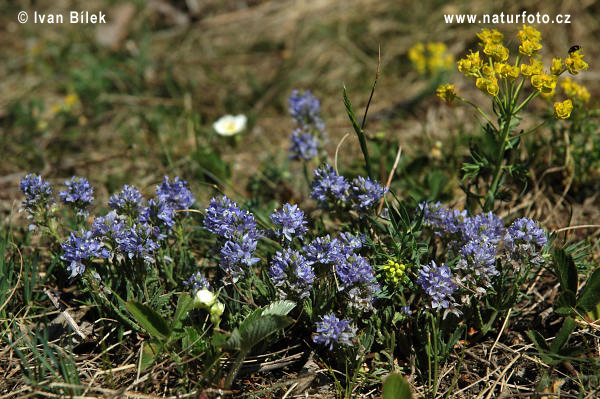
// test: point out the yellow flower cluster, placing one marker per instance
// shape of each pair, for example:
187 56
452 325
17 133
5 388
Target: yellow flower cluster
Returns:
563 110
530 40
67 103
575 91
575 63
471 65
394 271
491 41
446 92
430 58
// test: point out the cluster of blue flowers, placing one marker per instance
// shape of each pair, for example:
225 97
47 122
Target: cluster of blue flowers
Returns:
38 194
331 330
437 283
133 230
476 241
292 273
237 230
305 110
291 221
79 194
197 282
334 191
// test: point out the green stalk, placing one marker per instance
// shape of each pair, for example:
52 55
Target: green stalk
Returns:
491 195
235 368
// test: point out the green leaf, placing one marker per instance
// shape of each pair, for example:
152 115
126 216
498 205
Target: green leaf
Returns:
149 353
566 299
279 308
538 340
590 294
149 320
184 304
359 131
563 335
396 387
565 270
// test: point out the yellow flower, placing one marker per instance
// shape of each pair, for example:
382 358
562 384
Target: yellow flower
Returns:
416 55
470 65
557 66
563 110
529 33
535 67
544 83
575 91
394 271
446 92
575 63
529 47
71 99
496 51
549 95
488 85
490 36
507 71
487 71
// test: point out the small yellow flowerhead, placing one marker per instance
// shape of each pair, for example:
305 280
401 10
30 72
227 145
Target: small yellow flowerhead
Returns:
490 36
506 71
446 92
471 64
563 110
529 47
574 91
488 85
544 83
575 63
557 66
497 51
394 271
535 67
488 72
416 55
529 33
438 59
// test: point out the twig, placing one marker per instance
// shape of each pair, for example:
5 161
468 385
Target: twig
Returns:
65 313
389 180
337 148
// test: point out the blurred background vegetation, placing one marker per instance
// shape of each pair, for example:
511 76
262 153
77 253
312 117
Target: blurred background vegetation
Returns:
132 100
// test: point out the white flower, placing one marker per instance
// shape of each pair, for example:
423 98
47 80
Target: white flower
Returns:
217 309
229 125
204 298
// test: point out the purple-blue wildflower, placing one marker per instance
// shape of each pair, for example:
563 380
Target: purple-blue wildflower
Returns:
477 264
291 221
197 282
406 310
158 213
110 226
237 256
331 330
305 109
351 243
176 193
329 187
79 194
523 240
356 276
81 247
366 193
484 225
139 241
443 221
38 193
304 145
323 250
224 218
127 202
292 273
437 283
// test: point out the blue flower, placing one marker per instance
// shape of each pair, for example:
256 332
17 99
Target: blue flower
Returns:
437 283
292 273
139 241
79 194
356 276
305 109
237 256
406 310
328 187
331 330
523 241
38 193
323 250
82 247
477 264
304 145
366 193
441 220
127 202
197 282
292 222
224 218
484 225
158 213
110 226
175 193
351 243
